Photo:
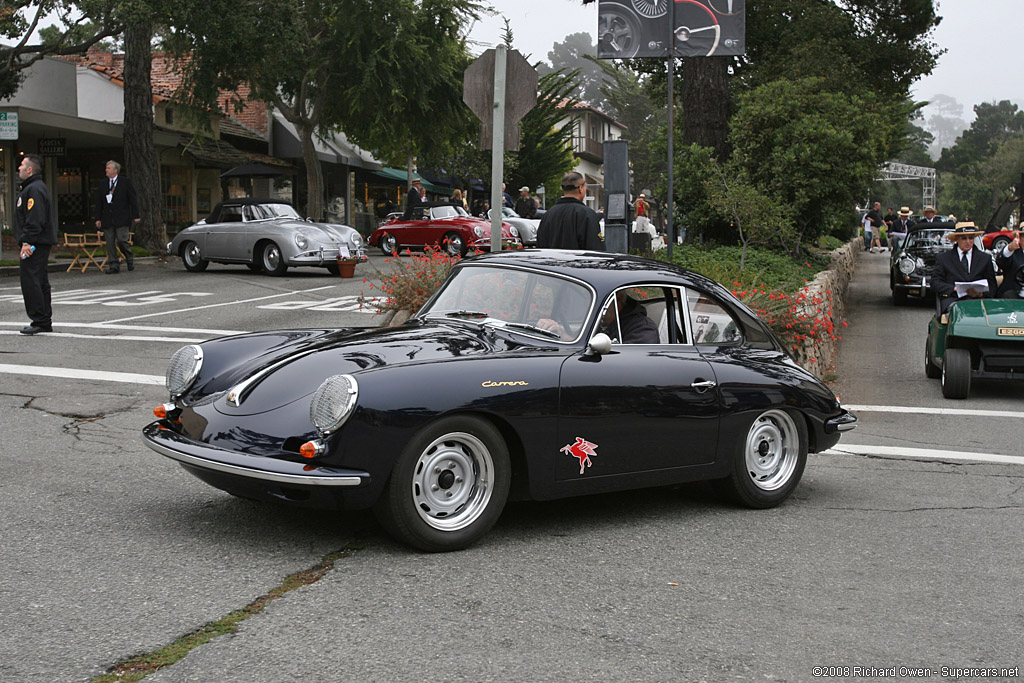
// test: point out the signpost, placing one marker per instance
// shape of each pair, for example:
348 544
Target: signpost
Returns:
500 87
8 125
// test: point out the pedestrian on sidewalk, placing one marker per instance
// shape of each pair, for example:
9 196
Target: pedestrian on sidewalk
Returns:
117 209
35 231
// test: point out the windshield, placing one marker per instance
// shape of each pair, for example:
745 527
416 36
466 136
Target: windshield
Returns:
262 212
929 238
444 212
515 297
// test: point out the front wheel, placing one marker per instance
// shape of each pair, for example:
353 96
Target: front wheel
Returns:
769 463
931 370
388 244
999 243
956 373
454 244
448 487
899 297
272 261
193 258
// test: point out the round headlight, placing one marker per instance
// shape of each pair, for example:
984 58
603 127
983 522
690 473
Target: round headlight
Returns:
300 240
478 231
356 240
183 369
333 402
514 231
907 266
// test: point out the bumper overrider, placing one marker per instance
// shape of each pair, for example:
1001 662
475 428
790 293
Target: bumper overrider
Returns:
325 255
226 465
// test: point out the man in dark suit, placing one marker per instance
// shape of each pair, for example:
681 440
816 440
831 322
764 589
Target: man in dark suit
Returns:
413 199
1011 262
117 208
965 263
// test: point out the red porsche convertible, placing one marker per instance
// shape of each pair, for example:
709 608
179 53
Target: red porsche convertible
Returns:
446 225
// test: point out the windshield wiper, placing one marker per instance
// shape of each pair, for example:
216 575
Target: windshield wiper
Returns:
465 314
534 328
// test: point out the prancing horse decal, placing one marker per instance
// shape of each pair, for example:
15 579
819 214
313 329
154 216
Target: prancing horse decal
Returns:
581 450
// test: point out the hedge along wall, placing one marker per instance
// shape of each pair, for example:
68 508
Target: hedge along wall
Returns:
825 295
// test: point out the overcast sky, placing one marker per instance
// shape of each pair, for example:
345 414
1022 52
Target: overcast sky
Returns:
982 37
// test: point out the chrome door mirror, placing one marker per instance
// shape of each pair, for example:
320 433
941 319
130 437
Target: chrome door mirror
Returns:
599 345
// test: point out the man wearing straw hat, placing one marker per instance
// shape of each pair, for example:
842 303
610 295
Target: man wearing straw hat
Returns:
966 266
899 228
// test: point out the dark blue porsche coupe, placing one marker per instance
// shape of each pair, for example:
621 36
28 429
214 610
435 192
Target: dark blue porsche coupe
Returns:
534 374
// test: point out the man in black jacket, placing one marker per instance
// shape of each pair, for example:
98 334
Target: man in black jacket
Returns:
413 199
117 208
525 206
964 264
570 224
35 231
1011 262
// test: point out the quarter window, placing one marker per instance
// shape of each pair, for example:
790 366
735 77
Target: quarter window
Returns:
711 322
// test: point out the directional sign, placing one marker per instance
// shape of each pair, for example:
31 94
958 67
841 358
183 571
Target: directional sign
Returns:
8 125
520 94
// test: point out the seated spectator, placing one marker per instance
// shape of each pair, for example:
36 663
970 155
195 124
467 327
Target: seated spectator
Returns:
964 264
1011 262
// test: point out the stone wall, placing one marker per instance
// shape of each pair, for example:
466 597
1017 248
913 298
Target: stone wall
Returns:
827 293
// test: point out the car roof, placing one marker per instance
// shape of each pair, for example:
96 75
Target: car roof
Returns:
603 270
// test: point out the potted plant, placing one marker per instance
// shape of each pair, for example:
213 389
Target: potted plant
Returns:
346 267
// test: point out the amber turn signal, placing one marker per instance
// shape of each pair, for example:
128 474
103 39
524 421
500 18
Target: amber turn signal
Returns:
308 450
160 411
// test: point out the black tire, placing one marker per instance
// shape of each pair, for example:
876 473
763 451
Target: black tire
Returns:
333 269
931 370
448 487
768 464
899 297
272 261
454 245
999 243
956 373
192 258
388 244
254 267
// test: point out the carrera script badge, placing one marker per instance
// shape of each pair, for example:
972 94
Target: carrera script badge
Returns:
581 450
487 384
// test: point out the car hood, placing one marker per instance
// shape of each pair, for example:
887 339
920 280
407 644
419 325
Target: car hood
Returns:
285 373
328 233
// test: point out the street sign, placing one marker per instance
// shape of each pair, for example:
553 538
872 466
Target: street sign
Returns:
520 94
8 125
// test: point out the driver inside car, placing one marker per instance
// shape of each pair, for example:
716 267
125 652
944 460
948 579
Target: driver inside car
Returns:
1011 262
627 321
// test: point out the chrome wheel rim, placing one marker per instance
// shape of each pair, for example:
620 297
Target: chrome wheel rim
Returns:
271 257
454 245
770 453
192 255
388 243
453 480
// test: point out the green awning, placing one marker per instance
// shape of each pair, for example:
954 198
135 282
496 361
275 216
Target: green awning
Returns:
401 175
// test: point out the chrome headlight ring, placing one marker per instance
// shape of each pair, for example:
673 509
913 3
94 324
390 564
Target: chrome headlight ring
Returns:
356 240
478 231
301 241
907 266
182 369
333 403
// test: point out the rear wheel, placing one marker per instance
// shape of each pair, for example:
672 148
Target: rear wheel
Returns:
193 259
272 261
956 373
449 485
769 463
999 243
388 244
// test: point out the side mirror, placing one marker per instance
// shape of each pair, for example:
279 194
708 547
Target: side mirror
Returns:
599 345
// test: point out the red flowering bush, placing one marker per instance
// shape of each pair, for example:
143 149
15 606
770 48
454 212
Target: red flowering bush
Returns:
409 281
798 319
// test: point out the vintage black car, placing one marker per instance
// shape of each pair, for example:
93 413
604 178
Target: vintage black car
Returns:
522 376
910 268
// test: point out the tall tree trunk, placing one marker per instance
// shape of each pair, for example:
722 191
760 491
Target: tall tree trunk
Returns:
705 100
140 155
314 172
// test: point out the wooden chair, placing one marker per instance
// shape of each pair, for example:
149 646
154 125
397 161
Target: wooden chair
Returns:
84 247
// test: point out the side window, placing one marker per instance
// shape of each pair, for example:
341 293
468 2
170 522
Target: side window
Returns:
644 315
711 322
231 214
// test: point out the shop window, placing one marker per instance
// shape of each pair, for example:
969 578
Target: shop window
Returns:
175 194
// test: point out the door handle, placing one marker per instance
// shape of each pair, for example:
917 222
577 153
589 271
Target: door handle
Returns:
703 385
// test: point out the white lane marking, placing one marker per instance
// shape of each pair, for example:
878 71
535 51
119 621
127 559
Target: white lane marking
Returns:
118 337
933 411
341 303
924 454
224 303
72 373
137 328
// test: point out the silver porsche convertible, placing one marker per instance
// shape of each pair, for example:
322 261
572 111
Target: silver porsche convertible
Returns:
266 235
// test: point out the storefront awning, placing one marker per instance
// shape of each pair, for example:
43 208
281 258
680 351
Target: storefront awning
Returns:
399 175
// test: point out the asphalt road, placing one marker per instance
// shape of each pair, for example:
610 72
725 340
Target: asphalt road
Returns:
109 550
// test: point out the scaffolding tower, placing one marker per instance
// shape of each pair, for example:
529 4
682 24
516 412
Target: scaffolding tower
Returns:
893 170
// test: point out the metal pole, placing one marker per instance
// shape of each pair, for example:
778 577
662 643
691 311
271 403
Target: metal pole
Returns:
671 87
498 145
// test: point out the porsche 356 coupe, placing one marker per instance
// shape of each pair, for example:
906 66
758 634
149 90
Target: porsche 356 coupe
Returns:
536 374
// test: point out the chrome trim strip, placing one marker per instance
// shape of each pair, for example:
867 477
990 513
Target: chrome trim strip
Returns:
249 473
237 393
